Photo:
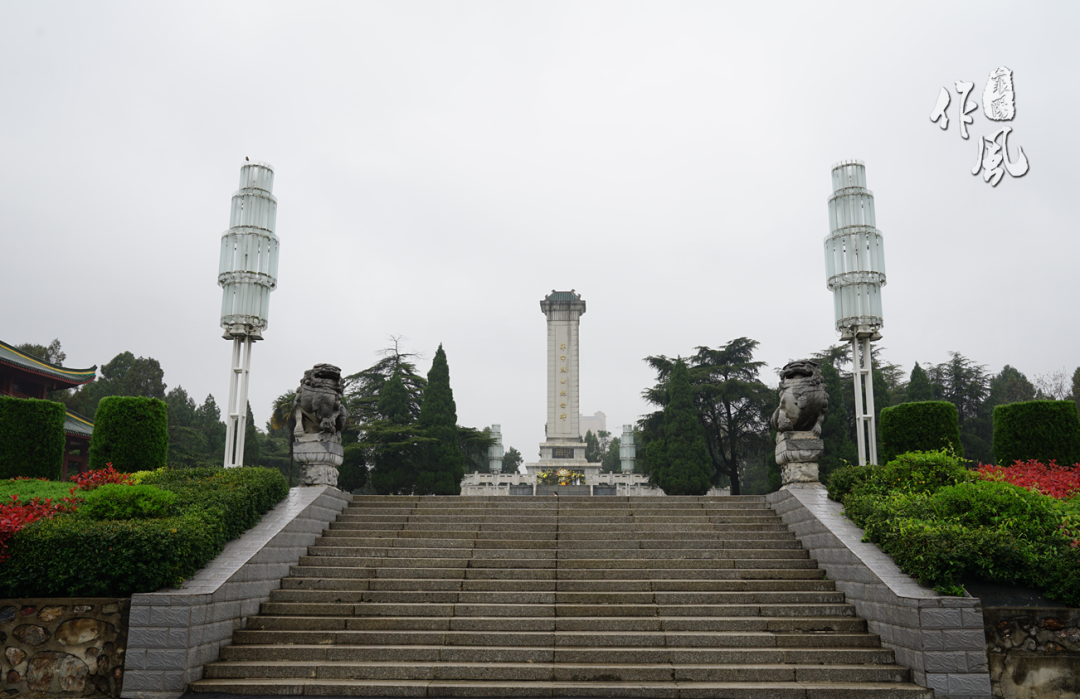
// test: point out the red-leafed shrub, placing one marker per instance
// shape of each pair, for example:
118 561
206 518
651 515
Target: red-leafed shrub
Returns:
15 515
1053 480
99 477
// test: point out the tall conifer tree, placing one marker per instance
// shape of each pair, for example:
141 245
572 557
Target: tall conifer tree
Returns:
919 388
442 465
393 441
680 461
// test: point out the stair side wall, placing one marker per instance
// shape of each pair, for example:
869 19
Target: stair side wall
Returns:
173 633
940 638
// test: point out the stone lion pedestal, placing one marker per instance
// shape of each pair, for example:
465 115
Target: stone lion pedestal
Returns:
319 459
797 453
317 421
797 421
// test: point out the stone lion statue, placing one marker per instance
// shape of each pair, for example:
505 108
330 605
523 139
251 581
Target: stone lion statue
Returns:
803 399
318 408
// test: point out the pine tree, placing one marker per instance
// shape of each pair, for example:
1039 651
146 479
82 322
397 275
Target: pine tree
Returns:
442 464
679 458
919 388
393 441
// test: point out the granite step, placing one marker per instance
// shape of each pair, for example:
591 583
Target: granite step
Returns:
560 672
551 585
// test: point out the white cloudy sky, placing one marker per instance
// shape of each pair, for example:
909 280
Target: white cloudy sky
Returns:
442 166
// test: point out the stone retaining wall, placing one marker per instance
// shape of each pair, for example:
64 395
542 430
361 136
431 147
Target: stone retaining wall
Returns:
63 646
1034 652
940 638
174 633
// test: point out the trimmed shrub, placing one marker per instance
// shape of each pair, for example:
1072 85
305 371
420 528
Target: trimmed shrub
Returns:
126 502
72 556
131 433
32 438
924 426
1039 430
943 524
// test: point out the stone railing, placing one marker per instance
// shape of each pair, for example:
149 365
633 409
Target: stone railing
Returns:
174 633
1033 651
73 647
939 638
506 483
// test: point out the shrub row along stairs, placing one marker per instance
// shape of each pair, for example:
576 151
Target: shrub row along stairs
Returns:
559 596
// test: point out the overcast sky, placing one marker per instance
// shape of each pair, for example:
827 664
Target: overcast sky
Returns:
440 167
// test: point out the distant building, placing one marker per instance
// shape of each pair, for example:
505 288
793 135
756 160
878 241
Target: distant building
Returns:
23 376
593 423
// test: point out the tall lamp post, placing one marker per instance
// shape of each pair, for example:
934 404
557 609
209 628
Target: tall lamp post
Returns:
855 273
247 274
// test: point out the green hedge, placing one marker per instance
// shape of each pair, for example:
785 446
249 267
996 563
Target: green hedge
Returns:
923 426
1044 430
32 441
131 433
72 556
116 501
944 525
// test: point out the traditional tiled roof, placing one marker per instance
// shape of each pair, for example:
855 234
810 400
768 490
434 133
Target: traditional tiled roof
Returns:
77 425
562 296
72 377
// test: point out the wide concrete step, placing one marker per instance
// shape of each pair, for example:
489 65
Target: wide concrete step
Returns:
756 549
471 513
305 652
594 544
746 559
530 538
778 625
577 639
551 585
560 672
497 597
464 530
551 610
459 573
517 519
666 690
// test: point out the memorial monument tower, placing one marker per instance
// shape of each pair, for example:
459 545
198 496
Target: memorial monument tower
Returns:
562 446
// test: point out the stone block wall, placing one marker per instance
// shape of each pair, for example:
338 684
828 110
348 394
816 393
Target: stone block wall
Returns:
1034 652
63 646
174 633
939 638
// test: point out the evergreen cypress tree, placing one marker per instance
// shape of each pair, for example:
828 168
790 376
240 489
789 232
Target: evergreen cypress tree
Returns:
252 448
919 388
679 459
442 465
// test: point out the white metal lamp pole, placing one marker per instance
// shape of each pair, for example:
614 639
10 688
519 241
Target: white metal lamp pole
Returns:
855 273
247 274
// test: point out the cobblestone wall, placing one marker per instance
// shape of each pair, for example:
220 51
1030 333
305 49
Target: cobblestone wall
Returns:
939 638
174 633
1034 652
71 646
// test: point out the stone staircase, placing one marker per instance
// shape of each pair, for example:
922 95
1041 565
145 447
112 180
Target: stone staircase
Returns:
559 596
